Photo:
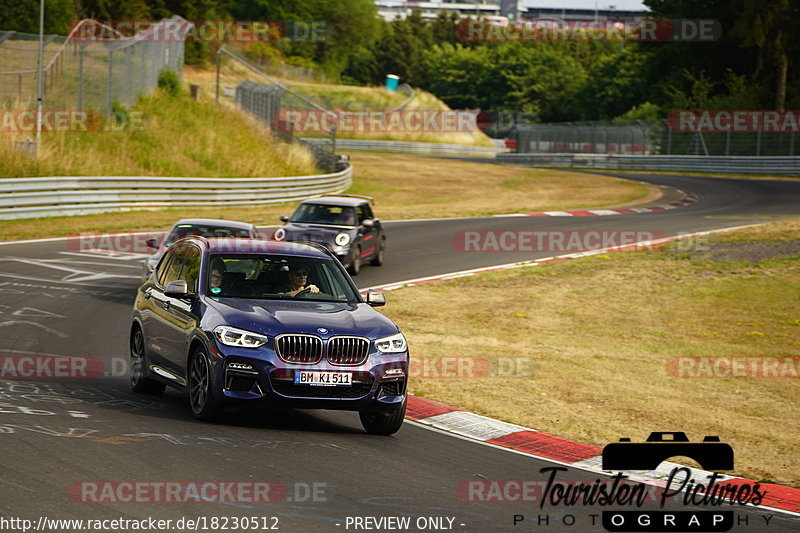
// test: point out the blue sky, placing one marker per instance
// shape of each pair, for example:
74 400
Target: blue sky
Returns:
587 4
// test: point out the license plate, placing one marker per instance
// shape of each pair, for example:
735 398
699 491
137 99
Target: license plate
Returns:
323 379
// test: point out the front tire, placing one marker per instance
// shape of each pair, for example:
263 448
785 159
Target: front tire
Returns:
138 367
201 394
382 422
355 261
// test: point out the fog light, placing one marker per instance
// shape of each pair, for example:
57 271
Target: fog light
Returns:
394 372
241 366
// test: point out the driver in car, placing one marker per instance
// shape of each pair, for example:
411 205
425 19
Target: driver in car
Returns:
298 279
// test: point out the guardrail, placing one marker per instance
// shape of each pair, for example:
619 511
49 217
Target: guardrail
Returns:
65 196
763 165
408 147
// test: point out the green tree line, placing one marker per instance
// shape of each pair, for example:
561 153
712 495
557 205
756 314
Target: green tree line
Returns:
752 65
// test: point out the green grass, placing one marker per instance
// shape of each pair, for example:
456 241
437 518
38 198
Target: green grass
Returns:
178 137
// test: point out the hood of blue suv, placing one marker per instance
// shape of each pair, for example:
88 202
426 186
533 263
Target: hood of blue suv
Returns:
273 317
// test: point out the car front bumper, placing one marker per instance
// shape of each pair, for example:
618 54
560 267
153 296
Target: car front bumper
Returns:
270 380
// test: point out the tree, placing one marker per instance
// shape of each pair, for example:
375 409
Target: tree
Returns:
23 16
770 27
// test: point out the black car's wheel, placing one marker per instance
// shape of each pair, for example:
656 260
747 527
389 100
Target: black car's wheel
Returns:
138 368
201 395
379 257
355 261
383 422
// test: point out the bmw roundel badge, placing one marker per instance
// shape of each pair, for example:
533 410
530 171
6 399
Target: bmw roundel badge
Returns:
322 330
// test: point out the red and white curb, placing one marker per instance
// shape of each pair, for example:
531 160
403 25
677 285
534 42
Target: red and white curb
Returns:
574 454
686 199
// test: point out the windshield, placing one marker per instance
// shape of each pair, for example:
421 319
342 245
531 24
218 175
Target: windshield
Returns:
325 214
185 230
277 277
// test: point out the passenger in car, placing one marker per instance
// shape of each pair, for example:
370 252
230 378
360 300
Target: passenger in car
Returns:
216 277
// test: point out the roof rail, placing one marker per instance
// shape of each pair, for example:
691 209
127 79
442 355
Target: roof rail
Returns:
370 198
190 237
318 246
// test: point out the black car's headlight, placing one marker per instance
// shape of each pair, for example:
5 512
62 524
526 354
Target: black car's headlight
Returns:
342 239
392 344
280 234
238 337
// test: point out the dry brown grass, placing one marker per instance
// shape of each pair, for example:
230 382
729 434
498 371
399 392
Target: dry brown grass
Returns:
413 187
599 332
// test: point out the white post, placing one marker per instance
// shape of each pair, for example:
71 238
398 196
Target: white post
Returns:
40 89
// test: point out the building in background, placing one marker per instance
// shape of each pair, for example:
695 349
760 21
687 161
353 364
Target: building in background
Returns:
501 11
399 9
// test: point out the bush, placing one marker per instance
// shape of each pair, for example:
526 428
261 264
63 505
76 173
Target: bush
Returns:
168 82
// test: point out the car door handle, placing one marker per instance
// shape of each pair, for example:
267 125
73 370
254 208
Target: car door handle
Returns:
166 305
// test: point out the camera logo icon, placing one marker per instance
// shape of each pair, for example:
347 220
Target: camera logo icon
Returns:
711 454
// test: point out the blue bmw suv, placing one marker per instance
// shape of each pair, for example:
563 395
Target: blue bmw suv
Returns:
251 321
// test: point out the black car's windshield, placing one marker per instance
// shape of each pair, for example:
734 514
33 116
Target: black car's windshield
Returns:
184 230
325 214
277 277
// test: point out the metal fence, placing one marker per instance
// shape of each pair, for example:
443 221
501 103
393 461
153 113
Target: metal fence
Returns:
762 166
89 69
65 196
648 137
407 147
265 101
586 137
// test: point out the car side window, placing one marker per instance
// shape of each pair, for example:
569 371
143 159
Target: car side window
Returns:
191 269
174 269
368 211
362 213
164 265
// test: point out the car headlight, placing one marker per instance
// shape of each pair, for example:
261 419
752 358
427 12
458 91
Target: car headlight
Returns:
280 234
392 344
238 337
342 239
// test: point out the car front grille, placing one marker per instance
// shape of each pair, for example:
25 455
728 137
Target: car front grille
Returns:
305 349
347 350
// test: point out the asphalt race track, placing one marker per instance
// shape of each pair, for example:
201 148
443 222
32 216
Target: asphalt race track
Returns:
58 438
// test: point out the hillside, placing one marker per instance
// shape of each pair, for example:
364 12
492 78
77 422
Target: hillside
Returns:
169 136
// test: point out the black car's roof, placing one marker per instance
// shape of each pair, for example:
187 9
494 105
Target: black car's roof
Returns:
336 200
214 222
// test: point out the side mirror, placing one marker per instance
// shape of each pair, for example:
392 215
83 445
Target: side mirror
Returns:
376 298
176 289
151 242
284 218
367 222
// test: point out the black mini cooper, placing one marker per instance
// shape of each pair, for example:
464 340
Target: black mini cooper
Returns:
343 223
